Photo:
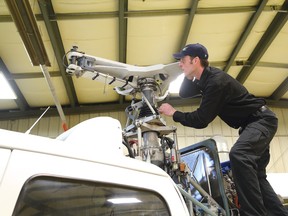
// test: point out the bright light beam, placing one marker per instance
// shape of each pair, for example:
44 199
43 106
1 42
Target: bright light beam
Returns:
6 91
174 86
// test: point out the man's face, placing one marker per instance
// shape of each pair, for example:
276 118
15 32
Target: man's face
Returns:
188 66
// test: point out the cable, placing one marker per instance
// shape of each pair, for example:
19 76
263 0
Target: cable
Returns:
63 59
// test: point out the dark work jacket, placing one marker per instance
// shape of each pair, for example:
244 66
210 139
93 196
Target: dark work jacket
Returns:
222 96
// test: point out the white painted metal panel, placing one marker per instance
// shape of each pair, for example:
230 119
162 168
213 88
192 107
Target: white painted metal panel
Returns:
4 159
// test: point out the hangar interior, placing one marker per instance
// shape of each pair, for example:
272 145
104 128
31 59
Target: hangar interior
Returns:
247 39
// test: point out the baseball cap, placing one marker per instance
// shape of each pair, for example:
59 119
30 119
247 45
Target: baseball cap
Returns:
192 50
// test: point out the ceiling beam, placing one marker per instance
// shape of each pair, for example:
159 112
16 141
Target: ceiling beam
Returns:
26 24
58 48
122 29
31 75
280 91
20 100
147 13
245 34
270 34
188 25
108 107
123 7
165 12
272 65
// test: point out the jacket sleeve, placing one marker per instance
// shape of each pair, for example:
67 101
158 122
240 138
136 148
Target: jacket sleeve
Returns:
210 106
189 89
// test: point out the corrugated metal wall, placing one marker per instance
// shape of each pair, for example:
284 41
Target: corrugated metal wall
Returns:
51 127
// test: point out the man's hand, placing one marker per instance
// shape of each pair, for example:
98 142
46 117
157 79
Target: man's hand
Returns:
167 109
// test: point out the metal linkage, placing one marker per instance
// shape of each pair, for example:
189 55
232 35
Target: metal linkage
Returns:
145 119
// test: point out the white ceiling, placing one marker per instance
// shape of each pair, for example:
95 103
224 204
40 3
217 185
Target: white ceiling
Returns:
248 39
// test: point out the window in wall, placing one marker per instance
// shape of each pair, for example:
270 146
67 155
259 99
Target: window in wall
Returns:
45 196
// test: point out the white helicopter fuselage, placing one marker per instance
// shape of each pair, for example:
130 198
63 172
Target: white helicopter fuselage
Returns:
81 169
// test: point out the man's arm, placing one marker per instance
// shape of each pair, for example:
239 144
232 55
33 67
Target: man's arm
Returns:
189 89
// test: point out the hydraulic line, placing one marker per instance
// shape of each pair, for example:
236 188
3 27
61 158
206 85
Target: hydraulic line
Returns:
196 202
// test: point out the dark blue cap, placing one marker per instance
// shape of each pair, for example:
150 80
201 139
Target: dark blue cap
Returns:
193 50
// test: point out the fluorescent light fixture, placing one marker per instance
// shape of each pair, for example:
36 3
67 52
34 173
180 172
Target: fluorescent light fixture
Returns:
124 200
174 86
6 91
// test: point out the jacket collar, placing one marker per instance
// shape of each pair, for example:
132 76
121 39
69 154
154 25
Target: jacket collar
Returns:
204 77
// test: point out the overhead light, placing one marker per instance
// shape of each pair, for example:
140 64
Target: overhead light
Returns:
6 91
124 200
26 24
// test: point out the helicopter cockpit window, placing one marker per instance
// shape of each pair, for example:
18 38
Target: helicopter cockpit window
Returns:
45 196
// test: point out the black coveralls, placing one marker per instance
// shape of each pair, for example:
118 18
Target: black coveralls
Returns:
225 97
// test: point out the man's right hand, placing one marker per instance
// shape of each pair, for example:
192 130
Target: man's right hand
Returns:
166 109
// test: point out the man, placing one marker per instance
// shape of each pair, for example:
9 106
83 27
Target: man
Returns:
225 97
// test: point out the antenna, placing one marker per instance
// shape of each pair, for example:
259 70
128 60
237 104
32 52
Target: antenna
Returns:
29 130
